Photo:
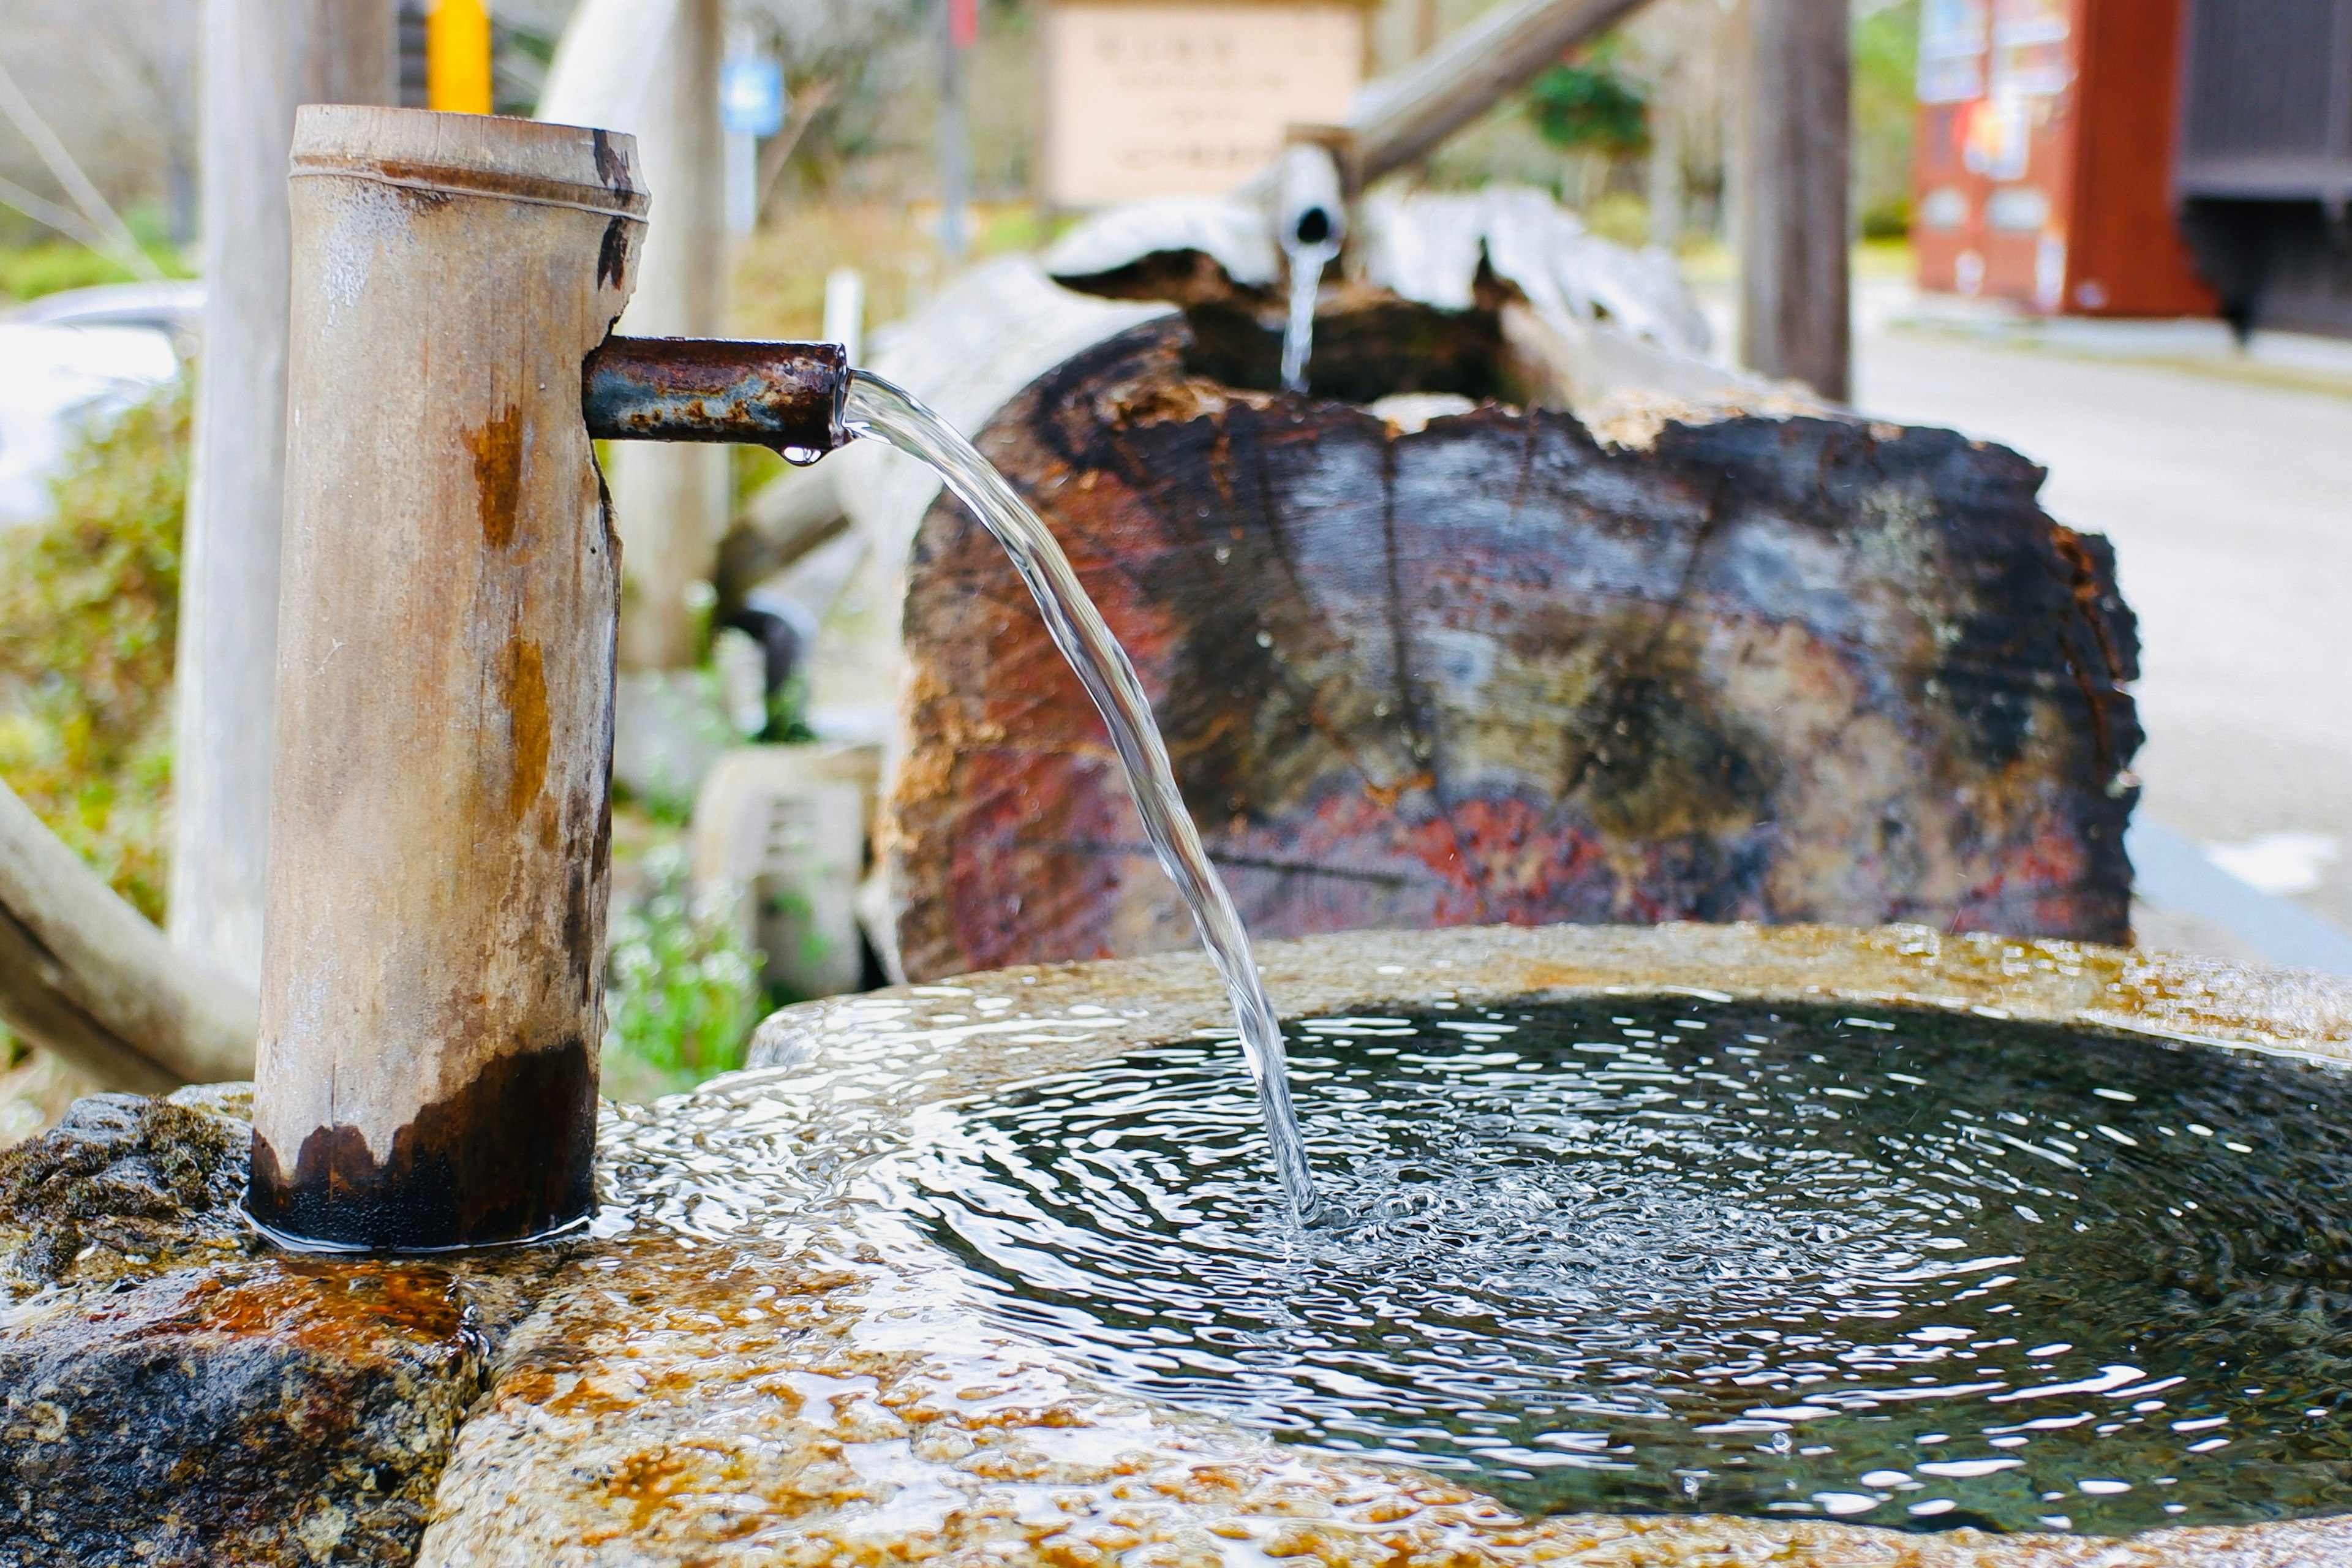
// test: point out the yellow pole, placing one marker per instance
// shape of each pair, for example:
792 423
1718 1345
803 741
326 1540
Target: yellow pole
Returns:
457 57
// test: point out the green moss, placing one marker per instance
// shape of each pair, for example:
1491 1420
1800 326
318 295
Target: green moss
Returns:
89 614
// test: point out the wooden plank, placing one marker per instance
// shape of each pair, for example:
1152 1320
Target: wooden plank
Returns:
1759 668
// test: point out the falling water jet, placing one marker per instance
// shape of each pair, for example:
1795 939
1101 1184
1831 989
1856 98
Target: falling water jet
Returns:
880 412
1298 331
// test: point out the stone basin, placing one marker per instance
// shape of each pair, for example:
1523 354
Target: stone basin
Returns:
755 1359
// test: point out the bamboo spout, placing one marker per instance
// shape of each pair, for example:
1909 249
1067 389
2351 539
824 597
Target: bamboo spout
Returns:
433 977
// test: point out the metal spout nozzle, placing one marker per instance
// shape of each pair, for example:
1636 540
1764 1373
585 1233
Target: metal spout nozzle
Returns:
784 396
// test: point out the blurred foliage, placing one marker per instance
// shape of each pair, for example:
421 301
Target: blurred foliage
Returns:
1887 219
50 266
1886 113
780 278
1585 105
88 612
1620 215
682 987
1883 259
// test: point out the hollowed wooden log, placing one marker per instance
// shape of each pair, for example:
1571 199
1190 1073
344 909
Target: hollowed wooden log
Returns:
432 986
1800 668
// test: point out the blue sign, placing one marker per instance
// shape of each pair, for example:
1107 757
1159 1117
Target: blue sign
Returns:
751 95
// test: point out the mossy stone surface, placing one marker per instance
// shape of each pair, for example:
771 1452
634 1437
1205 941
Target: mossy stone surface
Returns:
172 1393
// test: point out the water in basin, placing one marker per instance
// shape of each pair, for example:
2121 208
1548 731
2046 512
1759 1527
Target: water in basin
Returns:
1913 1269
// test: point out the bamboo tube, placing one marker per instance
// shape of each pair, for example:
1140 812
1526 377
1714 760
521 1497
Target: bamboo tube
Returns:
432 986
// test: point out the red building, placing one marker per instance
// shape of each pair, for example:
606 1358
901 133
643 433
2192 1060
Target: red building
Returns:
2045 165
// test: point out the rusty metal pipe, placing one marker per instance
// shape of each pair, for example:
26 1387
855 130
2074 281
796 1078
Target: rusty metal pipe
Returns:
784 396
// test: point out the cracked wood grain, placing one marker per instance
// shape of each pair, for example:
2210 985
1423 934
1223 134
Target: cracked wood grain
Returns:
1773 668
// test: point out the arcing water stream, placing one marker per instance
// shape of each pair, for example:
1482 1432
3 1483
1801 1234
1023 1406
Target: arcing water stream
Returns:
881 412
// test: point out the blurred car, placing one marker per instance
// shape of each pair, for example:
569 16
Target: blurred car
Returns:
71 357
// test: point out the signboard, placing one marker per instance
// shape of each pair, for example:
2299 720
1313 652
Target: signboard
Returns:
1951 51
1152 99
2029 53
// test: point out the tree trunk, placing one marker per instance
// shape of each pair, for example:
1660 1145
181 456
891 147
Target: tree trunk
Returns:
1727 667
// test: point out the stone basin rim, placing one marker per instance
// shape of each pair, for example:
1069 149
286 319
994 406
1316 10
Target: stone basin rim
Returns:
876 1039
2176 998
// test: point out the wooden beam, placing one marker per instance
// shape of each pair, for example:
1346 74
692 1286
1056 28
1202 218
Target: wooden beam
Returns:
83 974
1794 153
261 58
1405 114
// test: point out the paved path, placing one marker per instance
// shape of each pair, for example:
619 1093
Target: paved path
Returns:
2229 503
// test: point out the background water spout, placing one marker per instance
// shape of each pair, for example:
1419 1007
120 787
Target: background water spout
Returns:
879 411
1311 222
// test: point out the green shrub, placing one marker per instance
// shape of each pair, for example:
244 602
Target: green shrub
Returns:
1886 111
1586 107
1888 219
89 613
682 988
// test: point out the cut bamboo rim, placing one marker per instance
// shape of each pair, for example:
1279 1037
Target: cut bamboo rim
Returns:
432 985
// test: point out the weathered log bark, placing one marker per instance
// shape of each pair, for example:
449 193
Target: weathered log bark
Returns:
84 975
1781 668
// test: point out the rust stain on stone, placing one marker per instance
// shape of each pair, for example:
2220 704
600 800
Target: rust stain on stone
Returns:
324 1303
497 475
527 705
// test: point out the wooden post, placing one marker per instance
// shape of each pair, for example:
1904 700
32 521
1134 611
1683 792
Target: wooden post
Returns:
1794 152
673 501
261 58
432 992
